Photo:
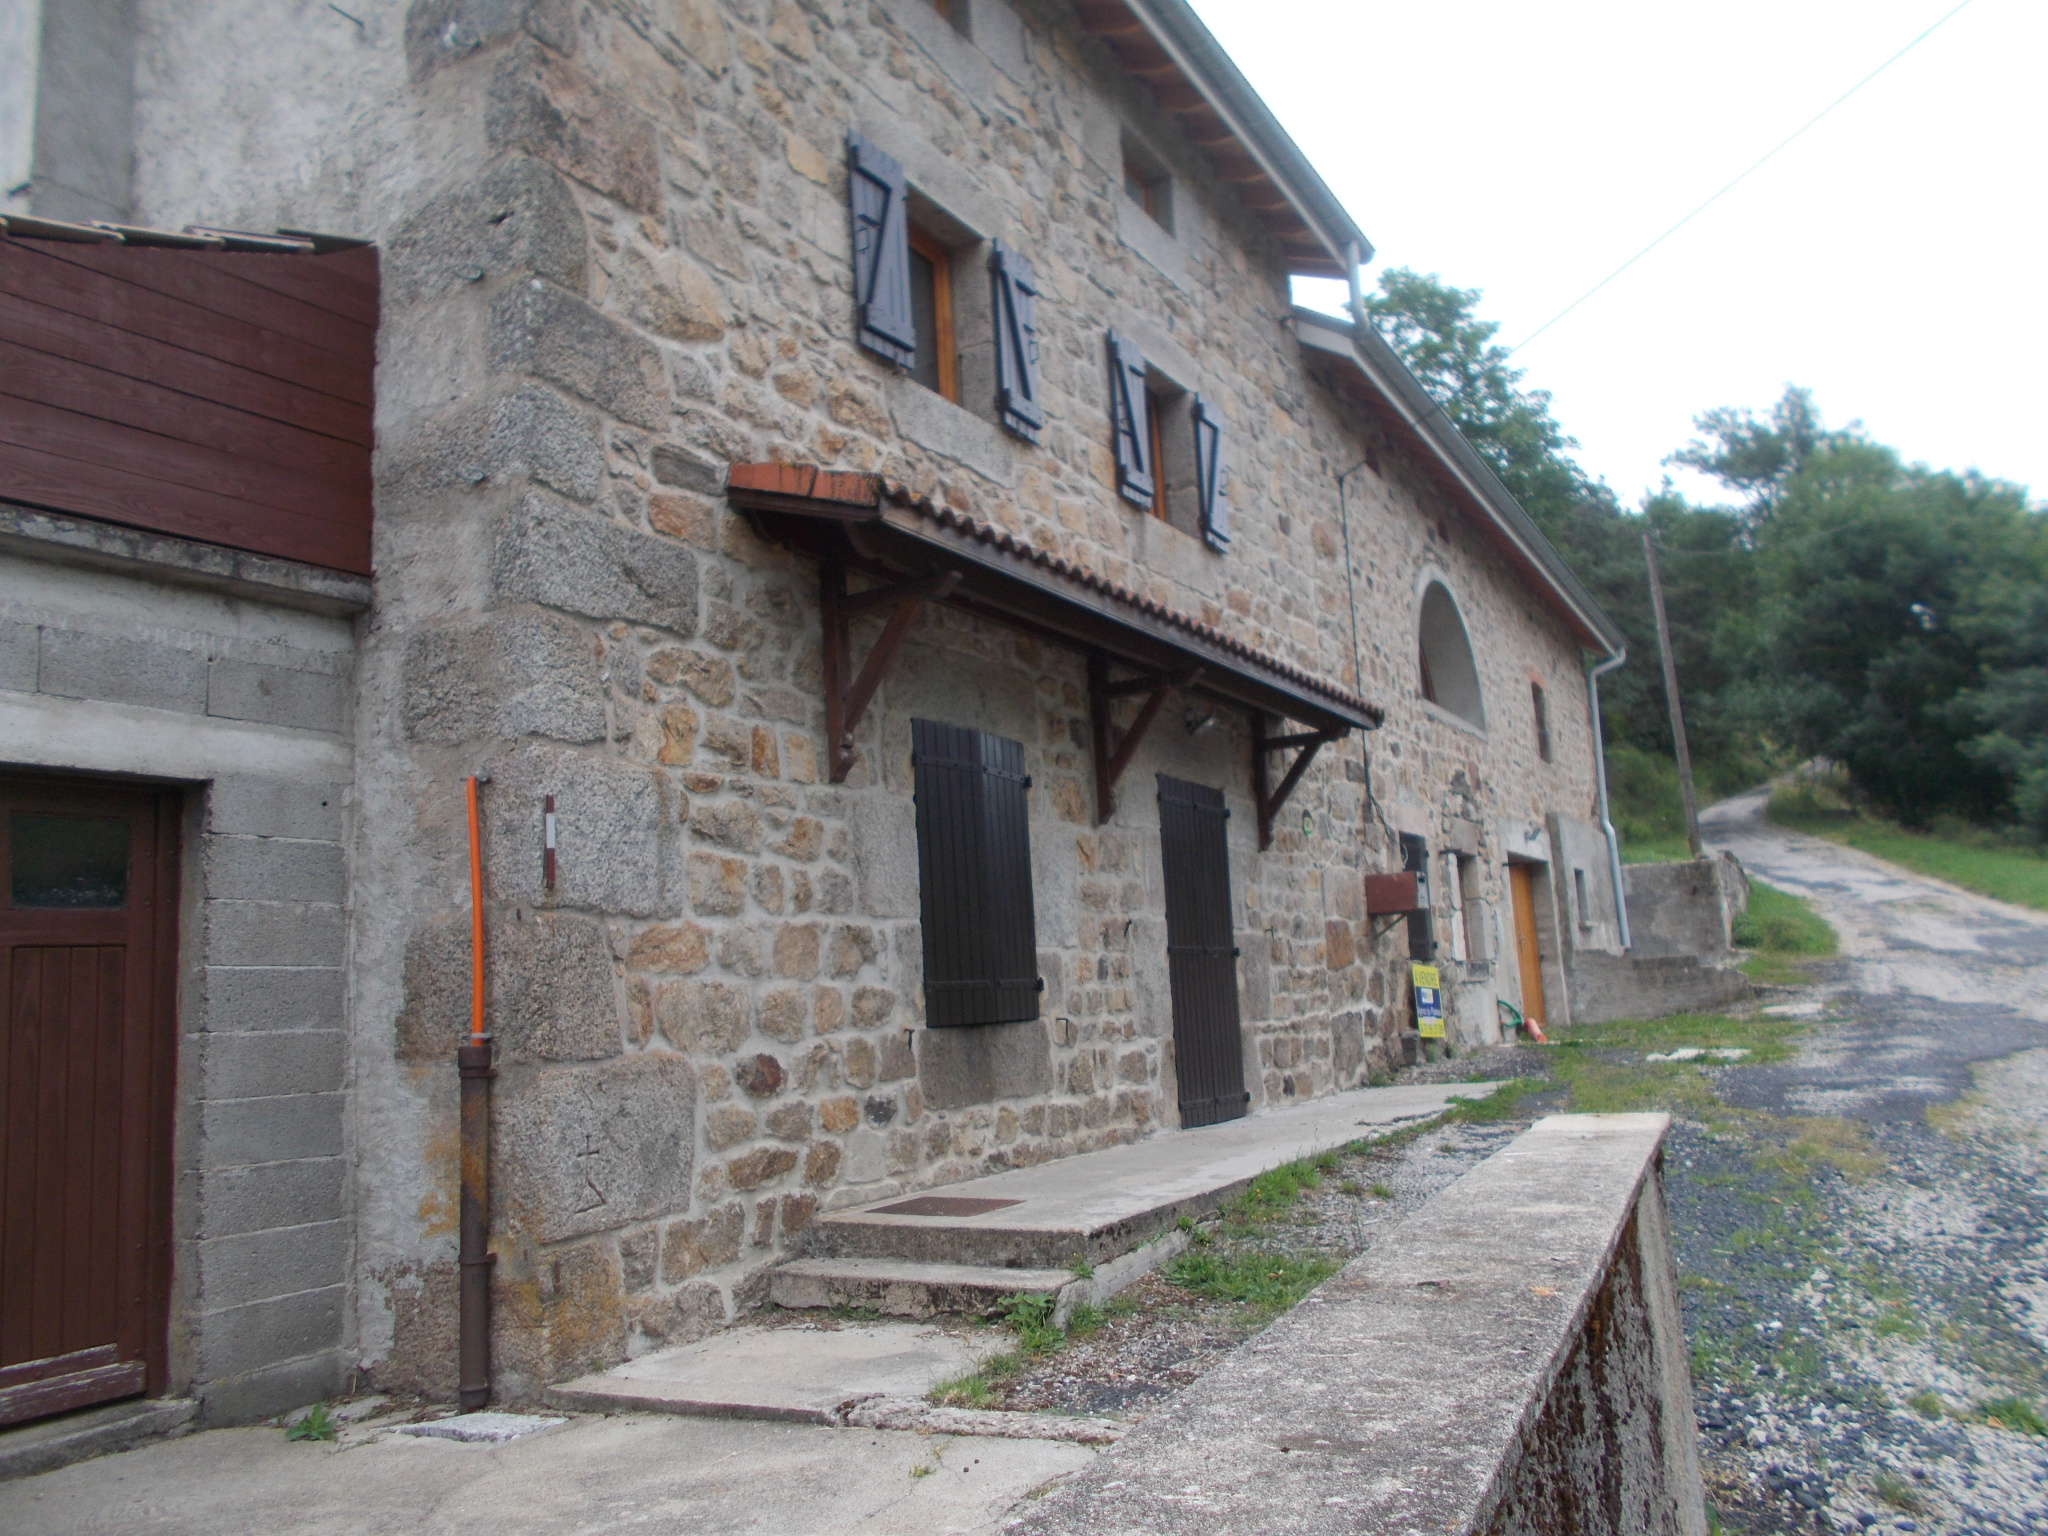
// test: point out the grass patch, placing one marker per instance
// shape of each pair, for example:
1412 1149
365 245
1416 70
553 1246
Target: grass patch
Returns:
1899 1494
1795 1147
1504 1103
1973 857
1264 1284
1782 924
1029 1316
1898 1325
1084 1322
1766 1040
1270 1197
1927 1404
2014 1413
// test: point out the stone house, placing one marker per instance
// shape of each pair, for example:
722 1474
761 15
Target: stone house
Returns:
943 639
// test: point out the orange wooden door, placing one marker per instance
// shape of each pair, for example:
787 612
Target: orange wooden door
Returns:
88 900
1522 888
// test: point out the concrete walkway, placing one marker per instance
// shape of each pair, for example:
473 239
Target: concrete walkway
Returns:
640 1472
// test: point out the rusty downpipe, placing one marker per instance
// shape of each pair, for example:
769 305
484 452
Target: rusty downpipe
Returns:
473 1063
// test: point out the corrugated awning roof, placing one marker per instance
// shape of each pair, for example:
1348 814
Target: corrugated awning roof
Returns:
884 529
1164 44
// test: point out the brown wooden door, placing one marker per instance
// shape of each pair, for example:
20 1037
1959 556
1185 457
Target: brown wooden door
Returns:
1528 960
88 911
1201 953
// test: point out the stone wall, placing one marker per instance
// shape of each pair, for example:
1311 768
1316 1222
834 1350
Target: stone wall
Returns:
137 655
616 259
1464 1374
1686 908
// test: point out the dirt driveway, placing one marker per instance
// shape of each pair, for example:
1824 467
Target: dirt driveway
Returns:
1869 1304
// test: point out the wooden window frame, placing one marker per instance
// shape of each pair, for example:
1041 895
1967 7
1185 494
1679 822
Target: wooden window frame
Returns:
924 244
1155 409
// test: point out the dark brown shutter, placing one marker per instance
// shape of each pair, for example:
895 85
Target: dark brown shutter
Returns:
1130 413
881 253
1209 475
974 877
1201 952
1014 295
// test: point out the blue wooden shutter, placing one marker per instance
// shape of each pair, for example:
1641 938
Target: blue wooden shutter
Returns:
1209 475
974 876
881 253
1130 414
1014 299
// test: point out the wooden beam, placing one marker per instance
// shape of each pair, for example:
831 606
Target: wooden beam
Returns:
930 589
1267 800
1110 763
846 702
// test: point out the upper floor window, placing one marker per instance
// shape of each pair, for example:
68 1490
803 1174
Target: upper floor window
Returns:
931 305
1148 183
1542 712
1449 678
1169 447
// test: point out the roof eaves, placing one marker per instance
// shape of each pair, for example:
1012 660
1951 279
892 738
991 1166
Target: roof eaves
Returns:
1383 370
1194 50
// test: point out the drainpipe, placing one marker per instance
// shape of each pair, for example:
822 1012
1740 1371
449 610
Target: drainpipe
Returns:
1600 773
473 1064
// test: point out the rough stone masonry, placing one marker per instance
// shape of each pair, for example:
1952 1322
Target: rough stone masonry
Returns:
617 259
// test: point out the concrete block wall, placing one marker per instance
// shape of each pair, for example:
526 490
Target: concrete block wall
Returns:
616 259
231 676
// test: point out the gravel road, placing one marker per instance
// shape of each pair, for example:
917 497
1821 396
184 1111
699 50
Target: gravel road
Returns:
1869 1344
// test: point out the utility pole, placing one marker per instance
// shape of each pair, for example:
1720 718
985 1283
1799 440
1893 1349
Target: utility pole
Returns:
1692 808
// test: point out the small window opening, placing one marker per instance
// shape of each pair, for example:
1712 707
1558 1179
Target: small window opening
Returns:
931 303
1579 893
1148 183
1449 678
1542 721
1155 415
955 11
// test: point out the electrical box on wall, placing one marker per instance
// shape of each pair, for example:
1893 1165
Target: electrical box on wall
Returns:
1408 891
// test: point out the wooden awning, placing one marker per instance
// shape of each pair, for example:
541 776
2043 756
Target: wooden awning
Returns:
881 529
912 551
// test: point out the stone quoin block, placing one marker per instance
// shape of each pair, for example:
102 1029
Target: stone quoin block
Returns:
563 557
550 992
586 1149
538 329
610 829
535 431
518 218
543 105
521 674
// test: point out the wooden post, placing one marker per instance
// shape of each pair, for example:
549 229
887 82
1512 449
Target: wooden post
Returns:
1692 809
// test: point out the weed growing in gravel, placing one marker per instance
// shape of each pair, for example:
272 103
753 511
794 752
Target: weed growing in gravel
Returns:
1504 1103
1265 1284
314 1424
1383 1191
1081 1269
1030 1318
1927 1404
1795 1147
1084 1322
1897 1492
2014 1413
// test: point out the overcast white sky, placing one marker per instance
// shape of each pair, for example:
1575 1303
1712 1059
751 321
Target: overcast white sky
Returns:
1893 259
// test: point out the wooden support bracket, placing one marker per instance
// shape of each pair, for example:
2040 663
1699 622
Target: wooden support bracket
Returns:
846 701
1110 763
1270 800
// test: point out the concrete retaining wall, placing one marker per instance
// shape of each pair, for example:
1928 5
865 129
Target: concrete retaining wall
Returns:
1508 1360
1684 908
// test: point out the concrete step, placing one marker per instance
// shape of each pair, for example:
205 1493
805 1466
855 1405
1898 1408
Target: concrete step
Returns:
906 1288
48 1444
1101 1205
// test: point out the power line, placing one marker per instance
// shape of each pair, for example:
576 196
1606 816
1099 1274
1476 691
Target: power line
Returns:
1731 186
